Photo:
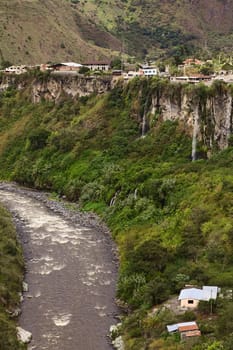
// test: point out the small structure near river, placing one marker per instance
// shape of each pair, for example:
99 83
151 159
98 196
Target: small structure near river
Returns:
190 297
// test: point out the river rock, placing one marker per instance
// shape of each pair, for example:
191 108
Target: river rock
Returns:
117 340
118 343
23 335
16 312
25 287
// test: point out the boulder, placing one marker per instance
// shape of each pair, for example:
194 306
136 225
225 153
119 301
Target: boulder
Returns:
23 335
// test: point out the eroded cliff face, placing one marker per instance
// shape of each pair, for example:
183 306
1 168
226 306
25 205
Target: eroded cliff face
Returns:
205 113
56 87
206 117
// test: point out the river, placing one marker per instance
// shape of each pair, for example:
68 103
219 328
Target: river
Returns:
70 271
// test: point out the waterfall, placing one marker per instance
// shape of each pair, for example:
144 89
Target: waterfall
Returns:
144 124
135 194
143 133
195 132
228 124
113 200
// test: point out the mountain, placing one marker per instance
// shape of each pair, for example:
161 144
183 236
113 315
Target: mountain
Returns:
34 31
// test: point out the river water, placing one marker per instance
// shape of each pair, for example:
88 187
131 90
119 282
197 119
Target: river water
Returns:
71 275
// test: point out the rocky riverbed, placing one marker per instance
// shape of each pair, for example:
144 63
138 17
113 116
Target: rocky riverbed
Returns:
71 271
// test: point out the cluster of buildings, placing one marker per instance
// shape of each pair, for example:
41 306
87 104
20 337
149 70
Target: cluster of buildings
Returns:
131 71
189 299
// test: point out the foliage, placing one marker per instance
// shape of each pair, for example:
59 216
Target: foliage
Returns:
11 274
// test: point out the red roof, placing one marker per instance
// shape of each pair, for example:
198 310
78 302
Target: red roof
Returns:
193 334
188 328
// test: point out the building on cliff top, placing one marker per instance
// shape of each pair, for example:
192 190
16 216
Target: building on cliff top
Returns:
63 67
98 65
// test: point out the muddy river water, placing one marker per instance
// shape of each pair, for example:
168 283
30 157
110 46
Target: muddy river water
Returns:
70 271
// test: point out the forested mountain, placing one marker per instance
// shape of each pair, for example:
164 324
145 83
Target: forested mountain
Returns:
34 31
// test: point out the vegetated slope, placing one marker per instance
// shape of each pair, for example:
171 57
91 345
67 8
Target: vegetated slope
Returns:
38 31
167 27
11 276
63 30
172 218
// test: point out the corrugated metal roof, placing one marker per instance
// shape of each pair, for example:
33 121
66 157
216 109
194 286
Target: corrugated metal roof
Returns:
207 293
174 327
72 64
213 291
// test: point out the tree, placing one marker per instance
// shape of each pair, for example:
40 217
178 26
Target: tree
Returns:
116 63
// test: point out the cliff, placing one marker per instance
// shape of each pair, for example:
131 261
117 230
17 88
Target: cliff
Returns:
55 87
205 113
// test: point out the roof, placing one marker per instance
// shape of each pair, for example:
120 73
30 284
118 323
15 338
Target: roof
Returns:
196 333
97 63
71 64
68 64
174 327
188 328
205 294
213 291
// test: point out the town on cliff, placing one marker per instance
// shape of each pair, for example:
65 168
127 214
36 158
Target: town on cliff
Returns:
191 70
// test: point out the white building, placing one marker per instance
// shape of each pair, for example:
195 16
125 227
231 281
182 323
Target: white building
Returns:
97 65
190 297
16 70
149 71
131 74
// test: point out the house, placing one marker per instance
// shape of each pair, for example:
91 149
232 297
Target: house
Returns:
185 329
148 71
16 69
98 65
65 67
192 61
194 79
190 297
131 75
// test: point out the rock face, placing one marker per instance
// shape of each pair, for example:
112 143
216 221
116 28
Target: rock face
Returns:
56 86
205 113
206 117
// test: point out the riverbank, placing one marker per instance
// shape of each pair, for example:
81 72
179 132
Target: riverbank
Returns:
11 277
71 270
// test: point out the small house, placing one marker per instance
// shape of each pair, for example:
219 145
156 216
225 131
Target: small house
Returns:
148 71
190 297
16 69
97 65
192 61
186 330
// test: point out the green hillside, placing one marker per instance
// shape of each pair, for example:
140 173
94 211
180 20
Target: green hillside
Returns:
171 218
11 277
35 31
